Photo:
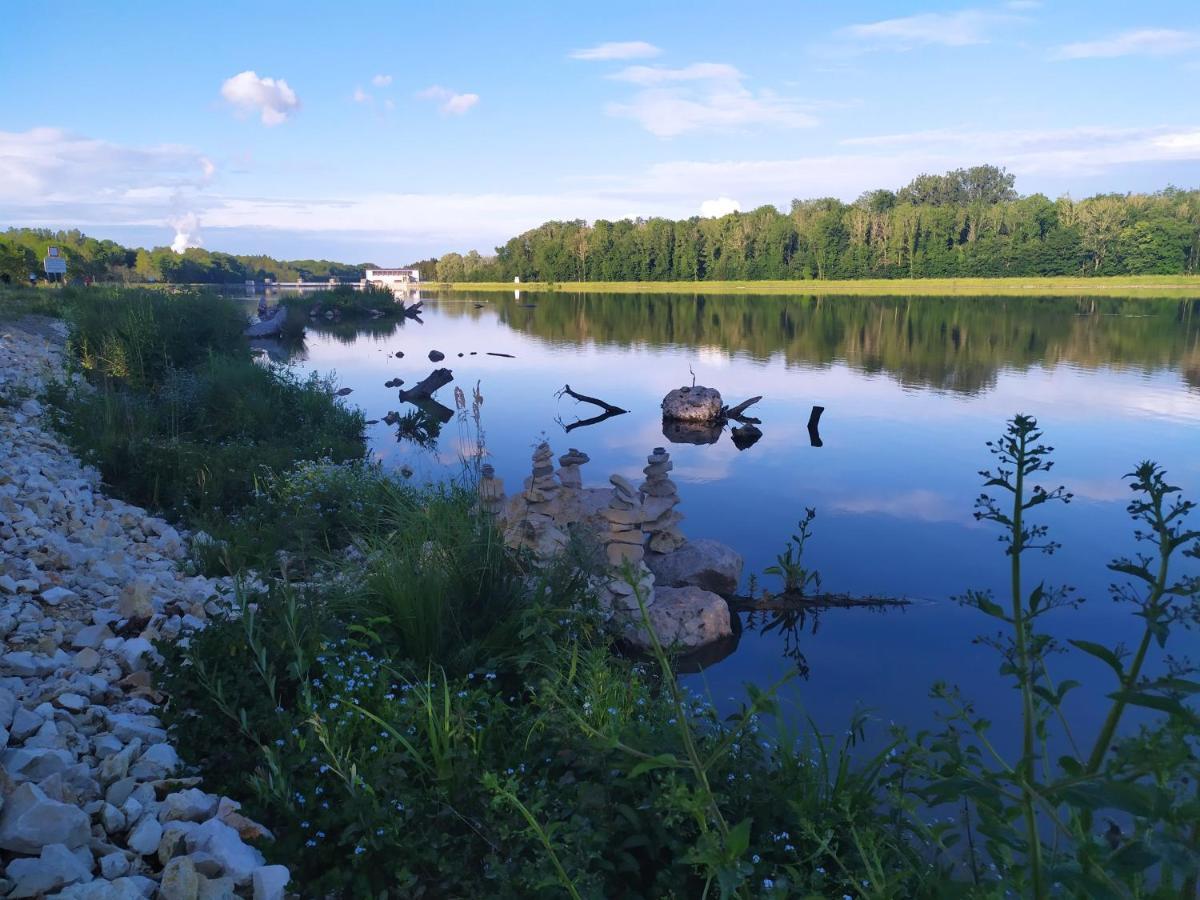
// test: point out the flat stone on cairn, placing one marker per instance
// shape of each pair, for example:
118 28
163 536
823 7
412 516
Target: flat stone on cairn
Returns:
661 498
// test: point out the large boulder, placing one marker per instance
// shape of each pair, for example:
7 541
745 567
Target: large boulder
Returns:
31 820
686 618
705 564
692 404
55 868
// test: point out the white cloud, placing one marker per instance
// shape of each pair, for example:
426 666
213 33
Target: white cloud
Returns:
702 96
1065 151
450 102
617 50
1139 42
48 166
651 75
271 98
953 29
722 206
361 96
187 232
381 80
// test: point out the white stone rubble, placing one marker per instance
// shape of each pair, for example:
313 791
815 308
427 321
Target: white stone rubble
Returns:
92 802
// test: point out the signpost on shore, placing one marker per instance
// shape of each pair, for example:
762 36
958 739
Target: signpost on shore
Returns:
55 264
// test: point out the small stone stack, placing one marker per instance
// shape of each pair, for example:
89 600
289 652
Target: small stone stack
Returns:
661 497
491 491
624 543
624 540
569 474
538 529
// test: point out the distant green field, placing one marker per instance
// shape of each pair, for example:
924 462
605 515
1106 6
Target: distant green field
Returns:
1182 286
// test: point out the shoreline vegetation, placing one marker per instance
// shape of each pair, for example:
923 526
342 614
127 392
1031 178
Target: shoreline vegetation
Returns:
414 708
1132 286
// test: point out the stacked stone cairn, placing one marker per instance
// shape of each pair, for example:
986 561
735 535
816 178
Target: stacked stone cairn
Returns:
538 529
624 543
569 476
661 498
491 491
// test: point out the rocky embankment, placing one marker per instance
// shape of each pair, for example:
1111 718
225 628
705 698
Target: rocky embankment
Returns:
94 803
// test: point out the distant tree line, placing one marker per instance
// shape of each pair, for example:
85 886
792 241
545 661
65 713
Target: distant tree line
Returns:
966 223
969 223
22 251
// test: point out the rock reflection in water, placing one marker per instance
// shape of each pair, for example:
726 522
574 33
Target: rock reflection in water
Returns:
691 432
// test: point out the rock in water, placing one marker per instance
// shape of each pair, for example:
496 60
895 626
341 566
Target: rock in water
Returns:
705 564
436 355
692 404
687 618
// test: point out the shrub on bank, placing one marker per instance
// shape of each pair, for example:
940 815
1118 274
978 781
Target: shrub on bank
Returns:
138 337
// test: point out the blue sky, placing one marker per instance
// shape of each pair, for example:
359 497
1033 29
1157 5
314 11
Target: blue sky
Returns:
391 131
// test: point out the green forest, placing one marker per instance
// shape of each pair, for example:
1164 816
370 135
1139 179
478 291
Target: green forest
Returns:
22 250
963 224
969 223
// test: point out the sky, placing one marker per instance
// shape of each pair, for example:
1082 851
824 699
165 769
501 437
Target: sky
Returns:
389 131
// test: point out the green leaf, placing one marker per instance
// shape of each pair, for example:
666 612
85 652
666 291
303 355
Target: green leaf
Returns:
1134 857
1102 653
1070 765
662 761
739 839
1169 705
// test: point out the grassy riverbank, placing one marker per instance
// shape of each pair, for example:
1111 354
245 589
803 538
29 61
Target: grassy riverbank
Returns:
1171 286
416 709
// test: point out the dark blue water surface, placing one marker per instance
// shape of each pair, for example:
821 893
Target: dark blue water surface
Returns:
912 389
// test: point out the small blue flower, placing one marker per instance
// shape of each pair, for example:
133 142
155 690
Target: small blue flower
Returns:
768 883
756 859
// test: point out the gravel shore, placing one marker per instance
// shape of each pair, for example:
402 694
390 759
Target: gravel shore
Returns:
94 802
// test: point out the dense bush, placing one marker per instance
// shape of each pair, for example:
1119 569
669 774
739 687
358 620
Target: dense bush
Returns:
177 415
309 512
201 439
137 337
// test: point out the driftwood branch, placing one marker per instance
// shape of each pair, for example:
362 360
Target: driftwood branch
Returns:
584 398
423 390
735 412
608 410
791 600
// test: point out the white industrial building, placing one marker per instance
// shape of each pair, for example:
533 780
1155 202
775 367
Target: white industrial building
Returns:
393 278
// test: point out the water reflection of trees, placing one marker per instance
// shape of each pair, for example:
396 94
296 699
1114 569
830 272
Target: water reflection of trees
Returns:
794 626
956 344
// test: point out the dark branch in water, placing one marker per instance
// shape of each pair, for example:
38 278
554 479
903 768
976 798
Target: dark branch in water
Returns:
735 412
424 389
584 398
583 423
787 601
609 409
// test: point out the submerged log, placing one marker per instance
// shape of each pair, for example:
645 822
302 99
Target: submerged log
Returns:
423 390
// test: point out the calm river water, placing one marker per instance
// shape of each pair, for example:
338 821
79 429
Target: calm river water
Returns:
912 389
